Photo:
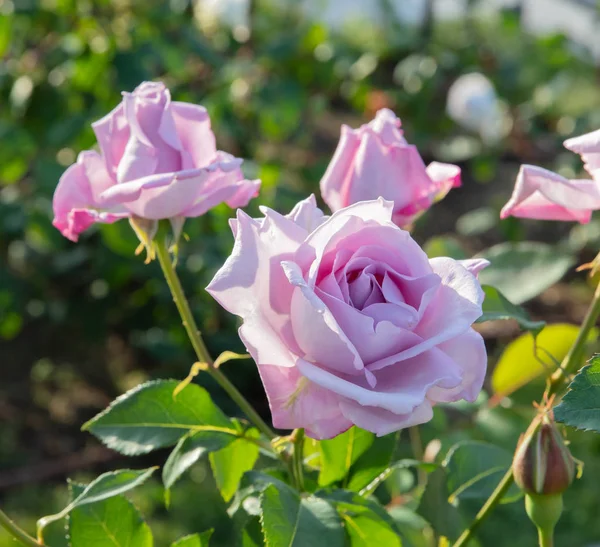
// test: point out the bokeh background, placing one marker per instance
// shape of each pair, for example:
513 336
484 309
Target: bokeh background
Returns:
81 323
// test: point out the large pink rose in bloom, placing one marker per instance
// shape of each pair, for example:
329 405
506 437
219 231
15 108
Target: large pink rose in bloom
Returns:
544 195
158 160
376 161
349 321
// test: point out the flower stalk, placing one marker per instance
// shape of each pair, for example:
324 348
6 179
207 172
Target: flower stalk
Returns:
16 532
187 318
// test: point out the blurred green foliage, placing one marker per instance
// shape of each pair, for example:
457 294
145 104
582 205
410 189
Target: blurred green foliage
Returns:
80 323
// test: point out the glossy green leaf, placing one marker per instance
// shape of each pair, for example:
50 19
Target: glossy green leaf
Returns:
521 271
104 487
474 469
370 487
374 461
149 417
291 521
435 508
496 306
113 522
230 463
340 453
522 359
370 531
580 407
196 540
189 450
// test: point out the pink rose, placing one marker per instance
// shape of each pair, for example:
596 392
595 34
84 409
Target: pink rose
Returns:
376 161
544 195
349 321
158 161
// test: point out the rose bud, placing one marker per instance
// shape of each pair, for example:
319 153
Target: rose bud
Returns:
542 463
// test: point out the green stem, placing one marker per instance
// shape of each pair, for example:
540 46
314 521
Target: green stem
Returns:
298 436
164 258
573 359
546 538
570 364
16 532
488 507
418 453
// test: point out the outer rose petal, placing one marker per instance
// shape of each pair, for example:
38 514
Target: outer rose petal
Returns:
339 169
112 133
460 292
307 215
77 196
588 147
474 265
382 422
194 132
544 195
185 193
399 388
296 402
445 175
468 352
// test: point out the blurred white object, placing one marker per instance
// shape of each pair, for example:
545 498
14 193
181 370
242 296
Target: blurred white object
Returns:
474 105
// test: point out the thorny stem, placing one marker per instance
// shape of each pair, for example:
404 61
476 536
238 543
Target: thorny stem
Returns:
189 323
13 529
568 366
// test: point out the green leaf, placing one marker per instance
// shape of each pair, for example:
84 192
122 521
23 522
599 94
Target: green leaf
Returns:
474 469
189 450
354 506
444 246
149 417
520 362
338 454
196 540
369 531
435 508
496 306
230 463
290 521
104 487
370 487
110 523
372 462
523 270
580 407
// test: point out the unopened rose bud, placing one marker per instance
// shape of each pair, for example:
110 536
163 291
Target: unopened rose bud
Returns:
542 464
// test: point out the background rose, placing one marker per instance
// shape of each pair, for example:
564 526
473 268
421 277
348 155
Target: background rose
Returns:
376 161
349 321
159 160
545 195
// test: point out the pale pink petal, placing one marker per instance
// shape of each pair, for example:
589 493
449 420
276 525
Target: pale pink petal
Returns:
338 171
474 265
460 292
112 132
588 147
307 215
468 352
445 176
295 402
544 195
77 196
193 128
315 329
382 422
399 388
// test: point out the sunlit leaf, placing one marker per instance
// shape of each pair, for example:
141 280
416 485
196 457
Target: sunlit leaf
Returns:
523 359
